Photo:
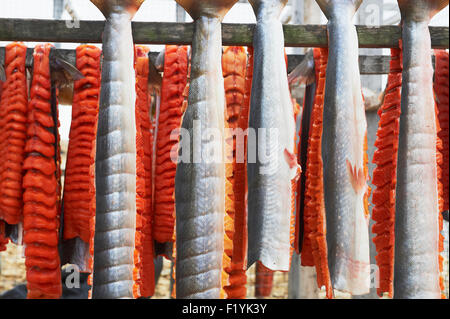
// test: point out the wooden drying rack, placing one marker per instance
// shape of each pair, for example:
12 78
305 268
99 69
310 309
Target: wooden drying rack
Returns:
232 34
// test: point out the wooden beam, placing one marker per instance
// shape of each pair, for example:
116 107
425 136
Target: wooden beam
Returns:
181 33
368 64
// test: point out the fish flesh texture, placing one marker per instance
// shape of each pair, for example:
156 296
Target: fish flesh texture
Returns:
115 163
271 162
13 130
200 180
234 63
416 267
237 281
343 139
385 173
41 197
441 90
169 120
79 185
314 249
144 271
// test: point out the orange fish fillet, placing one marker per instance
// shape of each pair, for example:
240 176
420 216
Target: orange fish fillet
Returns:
144 272
441 89
384 174
234 62
41 252
314 249
13 118
173 86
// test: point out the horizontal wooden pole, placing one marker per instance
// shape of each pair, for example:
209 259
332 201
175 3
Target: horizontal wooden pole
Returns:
181 33
368 64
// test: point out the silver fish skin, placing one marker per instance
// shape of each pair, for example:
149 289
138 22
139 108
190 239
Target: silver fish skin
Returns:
115 163
344 132
269 173
200 183
416 267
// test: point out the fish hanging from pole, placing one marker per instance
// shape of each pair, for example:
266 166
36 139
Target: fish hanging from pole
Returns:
115 163
200 179
343 143
417 231
271 162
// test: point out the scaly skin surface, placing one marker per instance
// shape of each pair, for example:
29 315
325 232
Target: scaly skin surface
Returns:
345 182
115 164
416 268
269 173
200 181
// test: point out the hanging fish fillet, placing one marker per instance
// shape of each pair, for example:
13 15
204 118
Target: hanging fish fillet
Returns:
174 83
238 278
41 184
344 178
144 272
304 73
314 249
416 268
234 62
263 281
200 183
441 96
115 164
79 185
384 174
13 130
441 90
271 160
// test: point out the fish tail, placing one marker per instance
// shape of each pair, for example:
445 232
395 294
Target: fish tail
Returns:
422 10
276 6
207 7
108 6
13 128
328 6
384 174
41 208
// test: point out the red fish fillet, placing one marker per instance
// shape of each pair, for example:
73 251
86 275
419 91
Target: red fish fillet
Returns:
234 62
173 85
13 118
41 252
79 188
441 89
236 288
384 174
144 272
314 249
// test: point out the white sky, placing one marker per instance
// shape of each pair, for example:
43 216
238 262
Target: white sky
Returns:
151 10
